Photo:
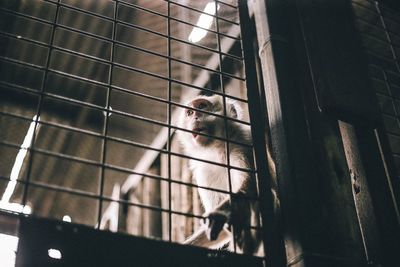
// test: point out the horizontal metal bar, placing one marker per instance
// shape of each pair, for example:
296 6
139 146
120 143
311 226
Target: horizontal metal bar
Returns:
125 68
384 7
385 71
121 23
133 116
389 96
392 133
206 29
389 115
379 40
387 84
87 12
166 179
116 168
227 4
140 145
137 7
201 11
34 66
116 87
19 37
54 124
162 100
96 163
141 8
396 154
121 169
98 197
112 63
54 154
212 114
81 193
374 10
207 48
379 28
58 25
365 35
380 56
364 6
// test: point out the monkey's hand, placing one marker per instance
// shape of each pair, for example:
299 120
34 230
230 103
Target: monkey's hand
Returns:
214 222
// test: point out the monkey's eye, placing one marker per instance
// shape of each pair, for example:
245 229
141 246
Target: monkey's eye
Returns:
189 112
202 106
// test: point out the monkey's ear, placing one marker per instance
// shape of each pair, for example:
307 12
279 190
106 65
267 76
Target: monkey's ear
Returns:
235 110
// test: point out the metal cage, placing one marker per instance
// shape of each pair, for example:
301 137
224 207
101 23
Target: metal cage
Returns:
90 94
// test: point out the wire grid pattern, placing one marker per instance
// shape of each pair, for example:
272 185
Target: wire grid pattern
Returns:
379 26
32 96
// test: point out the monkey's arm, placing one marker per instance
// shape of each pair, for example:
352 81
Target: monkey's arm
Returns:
241 214
212 234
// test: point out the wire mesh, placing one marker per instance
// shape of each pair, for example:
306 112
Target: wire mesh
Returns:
101 83
379 26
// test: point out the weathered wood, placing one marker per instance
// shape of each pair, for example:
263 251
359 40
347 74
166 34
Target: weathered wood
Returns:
361 193
337 66
320 222
383 204
273 244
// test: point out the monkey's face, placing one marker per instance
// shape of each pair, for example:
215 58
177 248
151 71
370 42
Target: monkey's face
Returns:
204 116
200 120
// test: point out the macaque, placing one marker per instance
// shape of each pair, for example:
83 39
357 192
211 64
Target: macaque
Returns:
221 211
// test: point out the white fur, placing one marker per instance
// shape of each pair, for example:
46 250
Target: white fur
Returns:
209 175
197 146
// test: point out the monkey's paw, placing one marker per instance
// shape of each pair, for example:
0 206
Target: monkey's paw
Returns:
215 221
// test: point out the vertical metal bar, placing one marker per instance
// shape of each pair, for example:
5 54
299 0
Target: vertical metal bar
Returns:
274 248
169 115
221 78
39 107
107 115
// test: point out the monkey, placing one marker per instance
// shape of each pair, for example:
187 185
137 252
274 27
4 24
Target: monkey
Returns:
238 211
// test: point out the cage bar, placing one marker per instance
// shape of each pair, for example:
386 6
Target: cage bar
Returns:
82 79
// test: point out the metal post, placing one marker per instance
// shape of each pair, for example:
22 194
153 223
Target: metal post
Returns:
273 242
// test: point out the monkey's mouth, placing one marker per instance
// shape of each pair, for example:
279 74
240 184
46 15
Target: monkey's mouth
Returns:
200 130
